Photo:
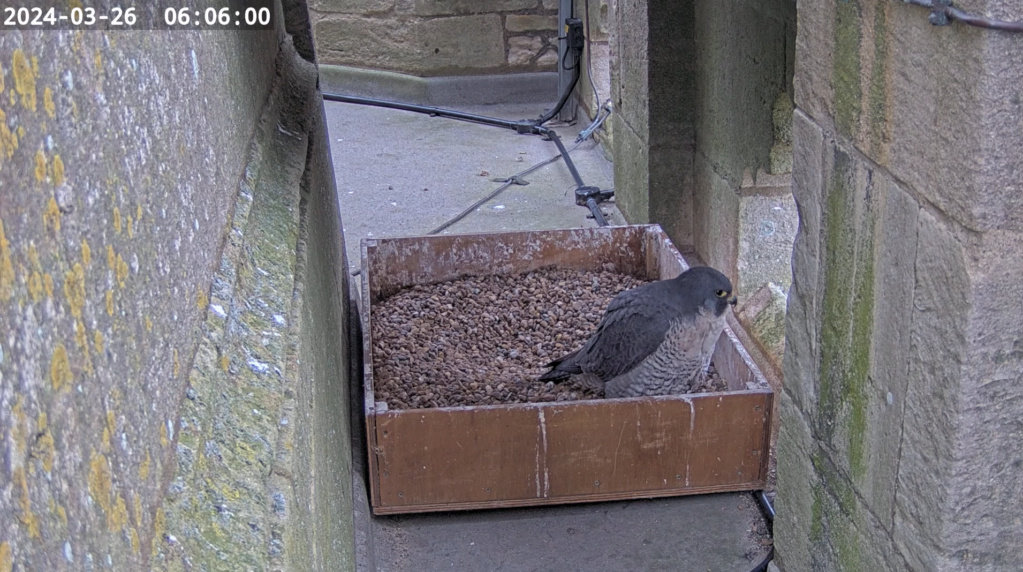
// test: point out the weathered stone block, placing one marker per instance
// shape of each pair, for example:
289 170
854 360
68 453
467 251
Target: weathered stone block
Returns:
351 6
530 22
522 49
797 527
715 218
632 174
815 49
940 306
449 7
428 47
734 129
802 328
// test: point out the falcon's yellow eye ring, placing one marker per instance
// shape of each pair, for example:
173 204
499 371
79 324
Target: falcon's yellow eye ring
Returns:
721 294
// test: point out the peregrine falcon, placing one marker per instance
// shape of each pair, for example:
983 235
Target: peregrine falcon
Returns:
654 339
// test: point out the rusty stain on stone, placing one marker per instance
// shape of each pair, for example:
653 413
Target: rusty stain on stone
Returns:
24 80
60 369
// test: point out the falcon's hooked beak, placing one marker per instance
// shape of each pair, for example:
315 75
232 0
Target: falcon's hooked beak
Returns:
734 300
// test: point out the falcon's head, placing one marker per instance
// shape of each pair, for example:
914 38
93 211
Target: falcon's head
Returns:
711 291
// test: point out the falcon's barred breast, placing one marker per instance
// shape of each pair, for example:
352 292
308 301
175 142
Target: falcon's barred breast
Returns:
654 339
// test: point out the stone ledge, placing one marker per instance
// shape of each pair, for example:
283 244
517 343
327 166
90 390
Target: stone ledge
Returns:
534 87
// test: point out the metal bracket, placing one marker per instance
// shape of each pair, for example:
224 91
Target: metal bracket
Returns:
939 15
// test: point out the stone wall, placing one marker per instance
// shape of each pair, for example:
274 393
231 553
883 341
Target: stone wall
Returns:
170 368
437 37
702 139
900 426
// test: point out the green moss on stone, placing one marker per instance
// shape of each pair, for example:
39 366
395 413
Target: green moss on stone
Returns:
877 97
846 71
846 336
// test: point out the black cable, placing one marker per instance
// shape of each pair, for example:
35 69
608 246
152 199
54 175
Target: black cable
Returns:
497 191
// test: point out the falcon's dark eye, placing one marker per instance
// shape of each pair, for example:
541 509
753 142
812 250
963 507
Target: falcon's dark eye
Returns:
721 294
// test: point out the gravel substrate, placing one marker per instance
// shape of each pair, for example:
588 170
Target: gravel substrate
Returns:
485 340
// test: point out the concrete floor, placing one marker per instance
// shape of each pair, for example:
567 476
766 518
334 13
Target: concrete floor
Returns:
400 173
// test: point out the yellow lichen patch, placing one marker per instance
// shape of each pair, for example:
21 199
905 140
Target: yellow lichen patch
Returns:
118 517
27 518
137 505
97 341
121 271
6 267
6 557
111 421
225 362
144 467
40 170
24 80
149 324
128 227
97 60
75 4
60 369
33 257
48 284
74 289
20 428
104 441
8 140
101 484
201 300
62 515
163 436
138 213
111 258
51 216
2 86
51 109
159 523
176 365
135 544
86 252
35 286
80 338
58 170
43 449
21 133
110 302
117 220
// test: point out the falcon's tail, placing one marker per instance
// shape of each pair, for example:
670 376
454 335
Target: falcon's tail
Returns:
562 368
